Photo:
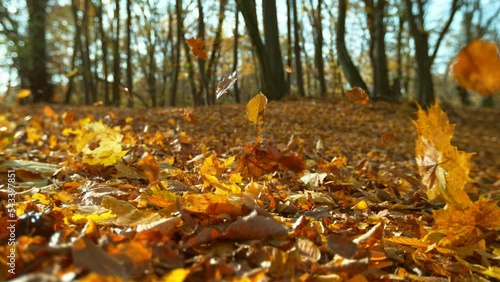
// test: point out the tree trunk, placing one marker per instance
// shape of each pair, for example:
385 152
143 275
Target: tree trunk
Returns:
237 97
177 58
40 86
350 71
104 49
130 81
116 57
318 46
296 49
201 63
272 74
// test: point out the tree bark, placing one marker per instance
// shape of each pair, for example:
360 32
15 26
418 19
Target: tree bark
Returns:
349 69
39 78
177 58
116 57
130 81
237 97
318 45
296 49
272 74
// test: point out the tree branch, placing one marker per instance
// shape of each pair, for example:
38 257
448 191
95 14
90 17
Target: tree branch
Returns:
455 6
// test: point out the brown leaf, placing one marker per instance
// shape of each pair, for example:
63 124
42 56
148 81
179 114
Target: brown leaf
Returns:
254 227
225 84
357 95
150 167
198 47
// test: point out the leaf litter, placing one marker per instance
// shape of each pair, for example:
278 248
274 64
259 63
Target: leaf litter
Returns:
316 192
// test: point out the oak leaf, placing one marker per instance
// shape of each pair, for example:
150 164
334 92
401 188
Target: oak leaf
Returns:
225 84
444 169
477 67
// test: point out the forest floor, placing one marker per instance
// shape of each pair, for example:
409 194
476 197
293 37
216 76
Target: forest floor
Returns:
328 191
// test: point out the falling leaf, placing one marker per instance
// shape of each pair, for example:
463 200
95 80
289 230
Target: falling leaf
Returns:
124 90
188 116
256 108
477 67
444 169
288 69
23 93
225 84
198 47
72 73
357 95
49 112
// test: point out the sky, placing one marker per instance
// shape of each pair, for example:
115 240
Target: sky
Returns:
437 11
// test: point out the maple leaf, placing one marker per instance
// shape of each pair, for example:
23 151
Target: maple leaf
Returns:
463 227
357 95
225 84
198 47
444 169
100 145
477 67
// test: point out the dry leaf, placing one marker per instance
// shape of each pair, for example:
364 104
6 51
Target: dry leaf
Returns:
357 95
444 169
225 84
256 108
477 67
198 47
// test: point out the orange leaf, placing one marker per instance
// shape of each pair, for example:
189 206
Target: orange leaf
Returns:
477 67
151 168
357 95
198 47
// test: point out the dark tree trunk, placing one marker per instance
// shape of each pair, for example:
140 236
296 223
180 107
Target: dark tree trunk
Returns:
39 78
116 57
269 55
350 71
104 48
130 81
203 93
296 49
237 97
318 46
425 92
289 44
375 10
177 58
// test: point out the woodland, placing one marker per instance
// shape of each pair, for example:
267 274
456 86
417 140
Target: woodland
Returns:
287 140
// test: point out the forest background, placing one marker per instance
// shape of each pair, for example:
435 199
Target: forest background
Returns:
128 52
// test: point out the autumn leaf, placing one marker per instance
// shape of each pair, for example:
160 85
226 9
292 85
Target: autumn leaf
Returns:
225 84
463 227
72 73
477 67
150 167
357 95
444 169
198 47
100 144
23 93
256 108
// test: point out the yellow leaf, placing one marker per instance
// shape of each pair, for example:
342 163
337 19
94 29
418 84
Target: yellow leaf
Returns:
256 108
72 72
444 169
413 242
41 198
95 217
100 145
176 275
23 93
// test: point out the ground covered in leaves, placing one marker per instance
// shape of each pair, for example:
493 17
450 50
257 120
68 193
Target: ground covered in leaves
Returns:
320 191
